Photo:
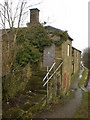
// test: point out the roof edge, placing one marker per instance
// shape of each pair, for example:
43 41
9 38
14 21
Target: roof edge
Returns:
76 49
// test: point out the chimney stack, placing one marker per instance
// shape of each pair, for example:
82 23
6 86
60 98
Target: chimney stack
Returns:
34 16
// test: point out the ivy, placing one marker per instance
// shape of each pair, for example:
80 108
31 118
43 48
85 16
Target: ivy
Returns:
63 37
27 54
37 36
32 42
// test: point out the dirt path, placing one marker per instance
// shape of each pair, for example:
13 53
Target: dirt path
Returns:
68 109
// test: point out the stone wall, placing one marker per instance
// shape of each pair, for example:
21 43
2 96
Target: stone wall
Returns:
76 59
67 65
60 82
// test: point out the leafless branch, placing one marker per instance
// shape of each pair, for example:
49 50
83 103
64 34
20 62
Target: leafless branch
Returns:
20 15
15 15
33 5
8 15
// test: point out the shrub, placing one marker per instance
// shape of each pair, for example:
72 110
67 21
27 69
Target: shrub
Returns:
31 42
27 54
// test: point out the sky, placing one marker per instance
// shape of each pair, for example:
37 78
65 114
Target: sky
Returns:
70 15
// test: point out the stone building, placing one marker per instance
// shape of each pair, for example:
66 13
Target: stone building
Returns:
60 55
76 60
59 60
55 55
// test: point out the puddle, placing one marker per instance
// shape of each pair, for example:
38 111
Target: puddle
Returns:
80 76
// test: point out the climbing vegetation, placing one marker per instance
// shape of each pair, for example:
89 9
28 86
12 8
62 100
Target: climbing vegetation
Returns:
63 37
31 42
27 54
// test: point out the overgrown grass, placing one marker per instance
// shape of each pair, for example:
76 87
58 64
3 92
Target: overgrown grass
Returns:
83 79
74 76
82 111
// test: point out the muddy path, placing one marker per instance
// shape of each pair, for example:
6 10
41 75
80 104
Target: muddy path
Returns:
68 109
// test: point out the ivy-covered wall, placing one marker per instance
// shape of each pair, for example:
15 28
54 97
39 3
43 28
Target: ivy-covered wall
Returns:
25 53
22 58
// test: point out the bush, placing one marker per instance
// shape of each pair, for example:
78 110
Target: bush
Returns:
31 42
27 54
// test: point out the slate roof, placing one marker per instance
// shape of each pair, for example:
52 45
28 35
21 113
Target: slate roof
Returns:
34 9
56 29
76 49
53 29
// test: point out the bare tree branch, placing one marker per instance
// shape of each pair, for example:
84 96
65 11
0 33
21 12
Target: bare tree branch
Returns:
15 15
8 15
20 15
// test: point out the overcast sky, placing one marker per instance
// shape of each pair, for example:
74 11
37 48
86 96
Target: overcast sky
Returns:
70 15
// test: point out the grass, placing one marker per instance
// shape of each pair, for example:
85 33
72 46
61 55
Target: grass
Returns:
82 111
83 80
74 75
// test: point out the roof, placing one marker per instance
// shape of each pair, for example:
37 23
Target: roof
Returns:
56 29
53 29
76 49
34 9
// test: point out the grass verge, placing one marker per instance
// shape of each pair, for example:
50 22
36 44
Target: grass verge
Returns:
83 79
82 111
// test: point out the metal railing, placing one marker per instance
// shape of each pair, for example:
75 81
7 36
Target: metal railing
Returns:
46 76
49 71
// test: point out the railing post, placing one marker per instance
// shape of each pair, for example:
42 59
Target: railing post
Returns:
53 74
47 84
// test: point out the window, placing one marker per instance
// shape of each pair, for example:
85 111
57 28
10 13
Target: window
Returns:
68 50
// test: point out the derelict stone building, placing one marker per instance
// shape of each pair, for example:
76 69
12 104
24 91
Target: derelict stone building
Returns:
61 61
64 55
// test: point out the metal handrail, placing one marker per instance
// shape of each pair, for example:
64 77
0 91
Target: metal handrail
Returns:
49 71
53 74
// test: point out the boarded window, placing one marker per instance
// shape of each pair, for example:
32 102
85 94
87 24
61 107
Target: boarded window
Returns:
49 56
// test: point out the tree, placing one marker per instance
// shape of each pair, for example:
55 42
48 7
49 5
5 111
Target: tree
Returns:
86 57
12 16
15 55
